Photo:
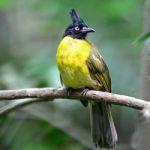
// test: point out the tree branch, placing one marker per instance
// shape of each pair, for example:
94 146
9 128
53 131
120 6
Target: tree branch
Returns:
17 104
46 94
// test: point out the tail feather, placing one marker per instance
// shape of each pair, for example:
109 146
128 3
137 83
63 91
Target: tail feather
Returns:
103 129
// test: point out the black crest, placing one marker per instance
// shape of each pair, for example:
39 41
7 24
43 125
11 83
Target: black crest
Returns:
75 18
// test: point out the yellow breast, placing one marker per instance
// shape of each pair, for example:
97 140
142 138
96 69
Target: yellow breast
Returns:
71 60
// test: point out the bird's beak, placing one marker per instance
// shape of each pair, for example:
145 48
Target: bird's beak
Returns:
87 29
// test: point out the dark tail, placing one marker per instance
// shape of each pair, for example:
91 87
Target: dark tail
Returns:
102 125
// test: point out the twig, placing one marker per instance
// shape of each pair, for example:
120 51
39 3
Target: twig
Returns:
53 93
18 104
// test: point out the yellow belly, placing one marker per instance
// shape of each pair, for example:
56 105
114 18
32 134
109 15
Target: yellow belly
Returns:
71 60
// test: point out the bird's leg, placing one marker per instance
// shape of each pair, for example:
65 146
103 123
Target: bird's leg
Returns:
85 103
85 91
69 90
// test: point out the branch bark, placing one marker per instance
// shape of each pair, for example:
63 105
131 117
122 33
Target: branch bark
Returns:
46 94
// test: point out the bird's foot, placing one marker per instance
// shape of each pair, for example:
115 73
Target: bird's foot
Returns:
85 103
85 91
69 90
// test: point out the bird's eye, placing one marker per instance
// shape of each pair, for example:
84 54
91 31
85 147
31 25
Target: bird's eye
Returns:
77 28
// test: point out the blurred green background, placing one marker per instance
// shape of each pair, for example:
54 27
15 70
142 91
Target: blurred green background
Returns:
30 31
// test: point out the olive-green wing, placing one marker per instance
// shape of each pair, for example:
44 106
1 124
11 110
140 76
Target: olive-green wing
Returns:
99 70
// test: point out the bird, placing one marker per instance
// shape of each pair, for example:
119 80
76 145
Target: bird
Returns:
82 67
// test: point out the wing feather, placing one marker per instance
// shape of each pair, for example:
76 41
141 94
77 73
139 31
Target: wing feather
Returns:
99 70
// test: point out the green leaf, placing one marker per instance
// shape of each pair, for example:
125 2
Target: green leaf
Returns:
142 38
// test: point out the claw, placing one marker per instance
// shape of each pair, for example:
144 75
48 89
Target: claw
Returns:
69 90
85 91
85 103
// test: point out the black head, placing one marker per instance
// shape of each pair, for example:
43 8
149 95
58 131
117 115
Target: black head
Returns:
78 28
